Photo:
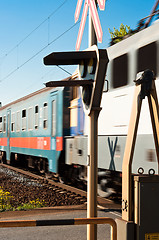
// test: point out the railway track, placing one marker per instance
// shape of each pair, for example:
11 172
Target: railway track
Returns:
59 188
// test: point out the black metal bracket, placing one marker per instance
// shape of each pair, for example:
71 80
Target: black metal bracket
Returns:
146 83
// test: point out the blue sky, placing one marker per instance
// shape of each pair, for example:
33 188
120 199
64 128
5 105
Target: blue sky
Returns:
31 29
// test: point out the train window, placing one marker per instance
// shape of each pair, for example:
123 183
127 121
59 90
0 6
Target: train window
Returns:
4 124
13 122
120 71
0 124
36 117
30 118
36 109
147 58
18 121
23 119
53 118
45 115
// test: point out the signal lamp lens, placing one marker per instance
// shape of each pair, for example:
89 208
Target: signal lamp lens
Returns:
86 95
83 69
92 66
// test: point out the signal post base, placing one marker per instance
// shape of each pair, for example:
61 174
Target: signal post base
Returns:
125 229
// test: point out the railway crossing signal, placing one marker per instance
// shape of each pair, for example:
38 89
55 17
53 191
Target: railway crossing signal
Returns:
92 68
94 15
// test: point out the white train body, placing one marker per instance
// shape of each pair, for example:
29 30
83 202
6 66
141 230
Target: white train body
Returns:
126 58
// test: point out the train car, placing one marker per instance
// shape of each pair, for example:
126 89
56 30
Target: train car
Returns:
48 129
32 129
126 58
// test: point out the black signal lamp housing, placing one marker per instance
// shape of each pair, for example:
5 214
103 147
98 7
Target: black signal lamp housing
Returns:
92 65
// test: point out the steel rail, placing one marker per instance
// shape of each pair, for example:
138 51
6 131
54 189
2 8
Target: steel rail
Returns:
101 201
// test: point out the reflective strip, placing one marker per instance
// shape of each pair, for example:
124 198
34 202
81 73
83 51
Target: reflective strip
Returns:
18 223
55 222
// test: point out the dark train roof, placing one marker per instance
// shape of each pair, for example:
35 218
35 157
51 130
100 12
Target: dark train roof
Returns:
45 89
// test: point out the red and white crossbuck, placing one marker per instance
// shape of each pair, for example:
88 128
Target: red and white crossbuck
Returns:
94 15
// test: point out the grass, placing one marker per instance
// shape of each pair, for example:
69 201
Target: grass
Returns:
6 203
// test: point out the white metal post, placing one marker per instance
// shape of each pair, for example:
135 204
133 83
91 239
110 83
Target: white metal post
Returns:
92 172
92 155
128 157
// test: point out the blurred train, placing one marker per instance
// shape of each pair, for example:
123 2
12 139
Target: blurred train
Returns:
49 128
132 55
32 129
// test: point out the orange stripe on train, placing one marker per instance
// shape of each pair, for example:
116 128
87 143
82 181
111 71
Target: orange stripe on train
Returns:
31 142
59 143
3 142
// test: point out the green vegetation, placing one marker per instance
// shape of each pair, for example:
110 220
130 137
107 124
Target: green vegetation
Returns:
6 203
31 205
5 199
118 35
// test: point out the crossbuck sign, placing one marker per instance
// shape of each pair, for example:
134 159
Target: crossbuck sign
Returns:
94 15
